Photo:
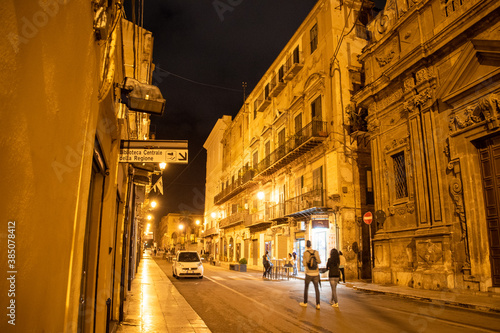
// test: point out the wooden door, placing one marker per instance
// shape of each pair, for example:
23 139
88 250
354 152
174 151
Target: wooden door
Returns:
489 153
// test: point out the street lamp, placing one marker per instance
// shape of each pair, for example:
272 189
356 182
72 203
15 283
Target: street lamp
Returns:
153 204
163 165
181 228
260 195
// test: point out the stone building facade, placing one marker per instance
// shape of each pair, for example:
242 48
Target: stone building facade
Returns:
178 231
431 91
289 170
73 205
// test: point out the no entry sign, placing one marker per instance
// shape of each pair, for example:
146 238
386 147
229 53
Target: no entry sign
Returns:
368 217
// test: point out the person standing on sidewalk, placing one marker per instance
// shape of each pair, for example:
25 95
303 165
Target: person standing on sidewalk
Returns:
341 266
294 263
267 265
334 275
311 261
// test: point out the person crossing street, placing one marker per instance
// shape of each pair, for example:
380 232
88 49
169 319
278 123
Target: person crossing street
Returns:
311 260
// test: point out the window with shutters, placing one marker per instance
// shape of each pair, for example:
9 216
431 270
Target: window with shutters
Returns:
316 112
313 34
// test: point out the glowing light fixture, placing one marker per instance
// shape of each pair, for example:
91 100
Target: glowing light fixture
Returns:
260 195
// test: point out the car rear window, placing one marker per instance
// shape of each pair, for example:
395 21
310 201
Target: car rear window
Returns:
188 257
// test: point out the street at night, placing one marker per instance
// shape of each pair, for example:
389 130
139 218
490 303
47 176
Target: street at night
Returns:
167 165
231 301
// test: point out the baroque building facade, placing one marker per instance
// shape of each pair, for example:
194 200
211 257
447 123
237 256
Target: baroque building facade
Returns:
284 170
432 96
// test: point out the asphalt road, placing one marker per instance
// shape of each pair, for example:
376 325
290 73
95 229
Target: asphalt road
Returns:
230 301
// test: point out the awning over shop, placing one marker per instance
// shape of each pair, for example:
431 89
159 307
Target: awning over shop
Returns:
310 211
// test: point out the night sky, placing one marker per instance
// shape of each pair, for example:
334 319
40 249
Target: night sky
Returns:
218 49
203 51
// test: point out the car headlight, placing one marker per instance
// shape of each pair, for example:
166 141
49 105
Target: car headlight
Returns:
199 264
179 264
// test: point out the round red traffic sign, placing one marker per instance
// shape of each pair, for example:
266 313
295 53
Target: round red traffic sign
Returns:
368 217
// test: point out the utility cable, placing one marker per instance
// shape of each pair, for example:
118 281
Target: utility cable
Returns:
196 82
189 164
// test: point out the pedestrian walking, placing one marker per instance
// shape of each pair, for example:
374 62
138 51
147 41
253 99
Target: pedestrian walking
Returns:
267 265
294 263
311 259
334 275
341 266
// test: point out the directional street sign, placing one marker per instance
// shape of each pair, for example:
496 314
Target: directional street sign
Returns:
154 151
368 217
153 155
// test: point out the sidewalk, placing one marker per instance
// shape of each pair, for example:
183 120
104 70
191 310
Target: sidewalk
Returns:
481 301
155 305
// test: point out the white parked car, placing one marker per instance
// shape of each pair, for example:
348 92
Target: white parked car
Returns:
187 264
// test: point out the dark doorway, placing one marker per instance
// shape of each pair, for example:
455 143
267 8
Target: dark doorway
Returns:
90 263
489 155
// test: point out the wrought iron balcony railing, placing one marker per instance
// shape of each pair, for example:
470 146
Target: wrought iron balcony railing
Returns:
241 183
232 220
305 201
303 141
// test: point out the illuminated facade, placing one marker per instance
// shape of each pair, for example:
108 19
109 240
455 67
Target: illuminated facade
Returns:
432 97
77 210
289 170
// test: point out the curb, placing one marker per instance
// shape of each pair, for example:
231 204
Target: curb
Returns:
482 308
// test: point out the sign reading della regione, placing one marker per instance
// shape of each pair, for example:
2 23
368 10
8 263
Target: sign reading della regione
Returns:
154 155
150 151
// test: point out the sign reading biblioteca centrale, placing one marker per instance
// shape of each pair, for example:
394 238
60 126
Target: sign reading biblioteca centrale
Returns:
151 151
154 155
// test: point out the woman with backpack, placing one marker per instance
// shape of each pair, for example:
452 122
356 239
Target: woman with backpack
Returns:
333 275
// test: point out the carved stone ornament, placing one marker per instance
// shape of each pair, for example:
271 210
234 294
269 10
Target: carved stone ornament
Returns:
390 99
430 252
373 125
410 208
418 101
487 108
424 74
409 84
401 210
383 24
396 144
387 58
